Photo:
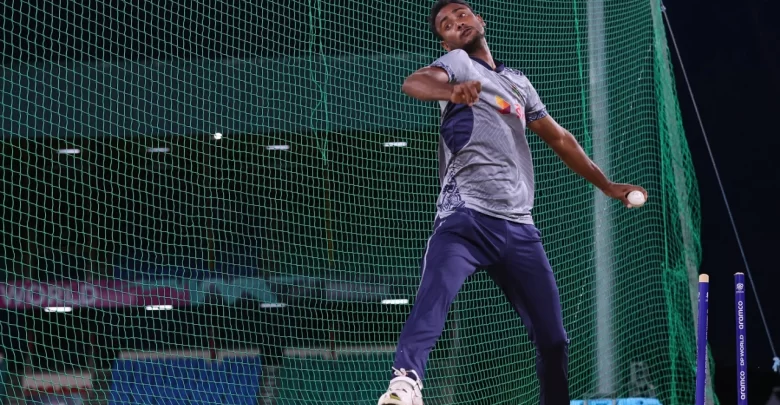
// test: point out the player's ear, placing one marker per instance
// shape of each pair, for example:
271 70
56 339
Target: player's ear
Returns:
445 46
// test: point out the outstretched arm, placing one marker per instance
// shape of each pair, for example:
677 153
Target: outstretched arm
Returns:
563 143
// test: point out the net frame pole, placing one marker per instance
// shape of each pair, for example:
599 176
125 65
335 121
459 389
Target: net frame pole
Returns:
602 220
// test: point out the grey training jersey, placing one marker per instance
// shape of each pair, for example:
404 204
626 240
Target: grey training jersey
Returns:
484 160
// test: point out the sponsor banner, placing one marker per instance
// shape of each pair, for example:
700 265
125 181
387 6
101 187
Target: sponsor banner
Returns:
182 292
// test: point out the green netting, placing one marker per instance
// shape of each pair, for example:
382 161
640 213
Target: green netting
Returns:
254 166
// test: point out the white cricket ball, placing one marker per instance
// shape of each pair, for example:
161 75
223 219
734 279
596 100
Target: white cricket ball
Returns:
636 198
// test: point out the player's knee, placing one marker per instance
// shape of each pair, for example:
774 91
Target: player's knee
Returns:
556 343
438 288
446 274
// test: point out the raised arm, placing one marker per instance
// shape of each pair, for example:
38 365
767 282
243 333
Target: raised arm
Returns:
428 84
432 84
449 78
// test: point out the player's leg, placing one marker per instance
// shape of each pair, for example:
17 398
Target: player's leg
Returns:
527 280
458 246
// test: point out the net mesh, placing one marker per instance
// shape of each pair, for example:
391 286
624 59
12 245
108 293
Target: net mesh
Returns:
227 202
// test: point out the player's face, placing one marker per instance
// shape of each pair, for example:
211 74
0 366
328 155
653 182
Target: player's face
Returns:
460 28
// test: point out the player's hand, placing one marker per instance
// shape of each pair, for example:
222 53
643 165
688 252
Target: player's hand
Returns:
620 192
466 93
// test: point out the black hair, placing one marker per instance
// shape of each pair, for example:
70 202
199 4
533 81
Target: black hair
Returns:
437 6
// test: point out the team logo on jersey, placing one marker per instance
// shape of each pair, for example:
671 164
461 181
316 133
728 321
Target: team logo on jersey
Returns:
517 92
505 108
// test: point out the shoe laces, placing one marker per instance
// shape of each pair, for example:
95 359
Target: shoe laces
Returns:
405 373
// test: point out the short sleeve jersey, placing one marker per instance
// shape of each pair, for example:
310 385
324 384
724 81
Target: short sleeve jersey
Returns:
484 159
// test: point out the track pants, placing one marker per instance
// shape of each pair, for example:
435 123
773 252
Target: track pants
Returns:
514 258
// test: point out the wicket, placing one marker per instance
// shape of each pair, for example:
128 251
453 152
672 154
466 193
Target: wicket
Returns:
739 304
741 338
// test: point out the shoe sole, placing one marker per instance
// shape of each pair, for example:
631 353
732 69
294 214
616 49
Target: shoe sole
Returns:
393 400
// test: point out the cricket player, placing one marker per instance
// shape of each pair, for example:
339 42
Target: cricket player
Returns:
484 208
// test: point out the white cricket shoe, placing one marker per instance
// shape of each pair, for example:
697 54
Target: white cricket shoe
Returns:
403 390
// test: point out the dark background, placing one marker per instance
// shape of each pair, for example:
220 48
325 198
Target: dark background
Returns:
731 52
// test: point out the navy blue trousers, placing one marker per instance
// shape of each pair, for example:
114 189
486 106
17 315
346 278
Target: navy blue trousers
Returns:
513 256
